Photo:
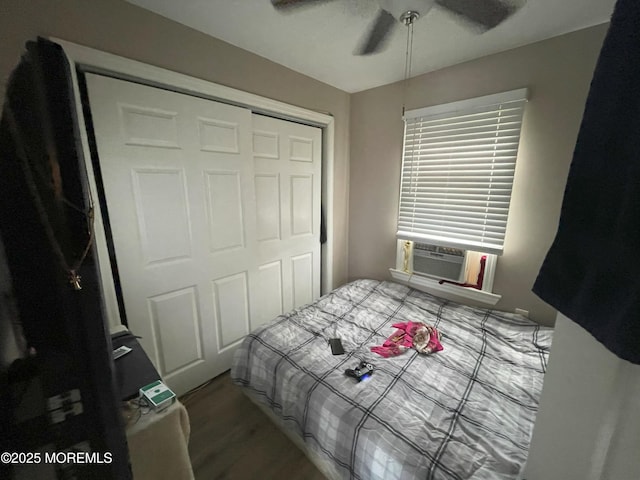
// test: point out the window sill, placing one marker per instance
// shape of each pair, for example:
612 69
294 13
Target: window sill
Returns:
432 286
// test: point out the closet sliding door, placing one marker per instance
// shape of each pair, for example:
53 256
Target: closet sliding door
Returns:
287 185
191 211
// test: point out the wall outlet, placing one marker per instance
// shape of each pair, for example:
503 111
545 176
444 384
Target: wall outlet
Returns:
522 312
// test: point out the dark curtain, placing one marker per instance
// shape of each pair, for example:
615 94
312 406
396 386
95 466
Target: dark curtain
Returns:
592 271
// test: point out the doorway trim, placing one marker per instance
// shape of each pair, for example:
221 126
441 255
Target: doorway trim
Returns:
95 61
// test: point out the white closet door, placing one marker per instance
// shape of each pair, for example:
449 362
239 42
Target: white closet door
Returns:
191 202
178 180
287 160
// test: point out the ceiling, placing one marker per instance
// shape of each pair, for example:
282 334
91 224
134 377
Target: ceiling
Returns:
319 40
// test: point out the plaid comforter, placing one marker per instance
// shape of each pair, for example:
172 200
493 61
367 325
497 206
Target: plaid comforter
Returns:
465 412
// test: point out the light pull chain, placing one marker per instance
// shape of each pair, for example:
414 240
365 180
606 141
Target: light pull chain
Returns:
408 18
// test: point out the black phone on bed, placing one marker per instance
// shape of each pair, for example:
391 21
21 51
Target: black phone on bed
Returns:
336 346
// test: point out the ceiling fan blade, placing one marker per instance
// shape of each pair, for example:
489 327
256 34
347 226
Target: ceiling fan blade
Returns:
286 4
486 13
378 33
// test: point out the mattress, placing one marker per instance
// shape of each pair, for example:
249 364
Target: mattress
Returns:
464 412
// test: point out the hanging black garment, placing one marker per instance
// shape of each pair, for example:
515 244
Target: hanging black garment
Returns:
45 212
592 271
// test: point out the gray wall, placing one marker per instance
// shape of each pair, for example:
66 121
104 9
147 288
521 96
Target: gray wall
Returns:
127 30
558 73
588 421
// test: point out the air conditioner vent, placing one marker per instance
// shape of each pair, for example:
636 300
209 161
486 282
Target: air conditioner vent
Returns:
440 262
425 247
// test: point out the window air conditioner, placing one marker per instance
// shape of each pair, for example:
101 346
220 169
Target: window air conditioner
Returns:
440 262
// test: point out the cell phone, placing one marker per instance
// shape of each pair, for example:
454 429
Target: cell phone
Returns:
336 346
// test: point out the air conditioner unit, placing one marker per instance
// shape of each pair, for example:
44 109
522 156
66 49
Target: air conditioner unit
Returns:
443 263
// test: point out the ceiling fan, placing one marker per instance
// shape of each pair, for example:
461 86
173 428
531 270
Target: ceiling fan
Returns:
484 14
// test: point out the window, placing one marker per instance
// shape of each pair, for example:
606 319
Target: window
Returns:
457 172
457 175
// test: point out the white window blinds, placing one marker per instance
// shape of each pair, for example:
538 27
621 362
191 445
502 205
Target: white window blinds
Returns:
457 171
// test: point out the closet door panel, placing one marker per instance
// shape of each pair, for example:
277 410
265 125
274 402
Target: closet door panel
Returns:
177 175
289 154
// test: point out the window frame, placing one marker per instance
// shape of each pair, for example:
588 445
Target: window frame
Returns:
424 205
428 282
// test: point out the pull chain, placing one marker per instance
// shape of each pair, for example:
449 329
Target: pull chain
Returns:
408 18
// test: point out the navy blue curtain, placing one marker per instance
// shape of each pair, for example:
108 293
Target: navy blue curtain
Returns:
592 271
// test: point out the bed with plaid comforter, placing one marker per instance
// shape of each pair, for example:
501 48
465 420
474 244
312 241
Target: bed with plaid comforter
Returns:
466 412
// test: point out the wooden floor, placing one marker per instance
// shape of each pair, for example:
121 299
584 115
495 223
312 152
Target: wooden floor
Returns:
232 439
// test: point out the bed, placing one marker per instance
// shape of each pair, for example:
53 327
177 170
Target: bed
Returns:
464 412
